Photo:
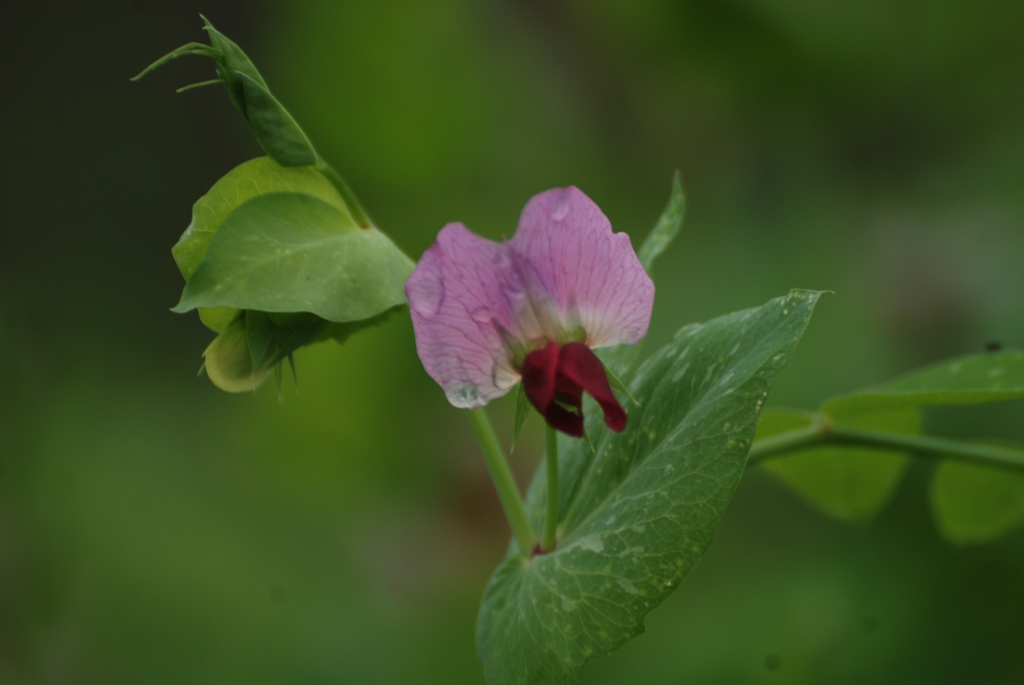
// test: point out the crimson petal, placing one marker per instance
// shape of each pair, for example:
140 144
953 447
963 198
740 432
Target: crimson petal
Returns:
579 364
539 369
554 381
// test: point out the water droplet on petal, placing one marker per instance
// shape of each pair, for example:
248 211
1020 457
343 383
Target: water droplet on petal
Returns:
463 395
481 315
426 298
502 260
516 296
561 207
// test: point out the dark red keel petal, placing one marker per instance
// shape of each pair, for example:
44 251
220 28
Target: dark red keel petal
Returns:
539 369
554 381
579 364
547 394
561 419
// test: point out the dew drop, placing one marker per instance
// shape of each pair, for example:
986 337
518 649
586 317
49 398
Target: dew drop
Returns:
481 315
561 207
627 586
463 395
678 375
502 260
427 297
516 294
593 542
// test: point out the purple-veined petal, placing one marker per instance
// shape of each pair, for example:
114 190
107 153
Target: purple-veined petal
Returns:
462 297
592 276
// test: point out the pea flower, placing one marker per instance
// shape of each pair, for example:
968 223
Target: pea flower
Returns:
533 308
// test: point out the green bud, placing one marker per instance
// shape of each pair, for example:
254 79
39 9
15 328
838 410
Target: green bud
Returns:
275 129
279 253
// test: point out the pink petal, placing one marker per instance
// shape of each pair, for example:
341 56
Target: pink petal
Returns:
592 275
462 298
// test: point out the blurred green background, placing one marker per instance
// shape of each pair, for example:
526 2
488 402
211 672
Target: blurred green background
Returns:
155 530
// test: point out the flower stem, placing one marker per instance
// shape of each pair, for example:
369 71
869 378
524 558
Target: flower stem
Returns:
820 433
504 483
359 214
551 523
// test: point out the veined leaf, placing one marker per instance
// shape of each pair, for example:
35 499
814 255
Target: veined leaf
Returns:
246 181
293 252
241 184
988 377
639 512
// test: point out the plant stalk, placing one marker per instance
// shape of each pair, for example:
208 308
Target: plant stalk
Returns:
551 523
504 483
822 433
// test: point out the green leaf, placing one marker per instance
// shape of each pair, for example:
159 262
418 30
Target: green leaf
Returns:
976 504
638 514
848 482
248 180
665 231
523 407
618 386
292 252
988 377
241 184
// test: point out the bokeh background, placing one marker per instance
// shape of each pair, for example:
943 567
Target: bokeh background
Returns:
155 530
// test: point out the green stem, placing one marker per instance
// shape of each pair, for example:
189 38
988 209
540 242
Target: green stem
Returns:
504 483
782 443
823 433
551 523
356 209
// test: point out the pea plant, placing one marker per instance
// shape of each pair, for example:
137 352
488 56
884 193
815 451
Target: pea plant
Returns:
634 481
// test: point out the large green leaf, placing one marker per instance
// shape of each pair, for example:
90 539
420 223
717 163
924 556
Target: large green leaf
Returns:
246 181
293 252
976 504
638 512
241 184
988 377
845 481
